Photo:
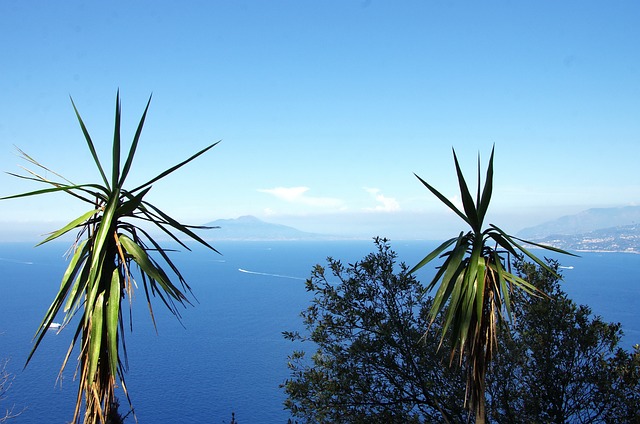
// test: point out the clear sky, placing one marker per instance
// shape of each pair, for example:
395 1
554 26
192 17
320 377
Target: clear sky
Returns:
325 109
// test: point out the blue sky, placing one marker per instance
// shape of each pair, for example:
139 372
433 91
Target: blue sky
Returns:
325 109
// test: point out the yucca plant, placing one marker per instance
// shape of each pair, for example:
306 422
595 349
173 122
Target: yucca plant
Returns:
109 244
476 283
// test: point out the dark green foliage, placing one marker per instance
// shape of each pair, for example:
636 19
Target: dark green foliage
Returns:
373 362
561 364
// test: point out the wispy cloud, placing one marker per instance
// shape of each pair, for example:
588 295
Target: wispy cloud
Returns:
386 204
298 195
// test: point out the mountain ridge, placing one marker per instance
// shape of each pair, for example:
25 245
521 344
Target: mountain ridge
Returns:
583 222
250 228
597 229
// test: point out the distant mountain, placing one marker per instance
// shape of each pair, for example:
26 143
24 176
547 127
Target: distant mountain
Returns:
251 228
584 222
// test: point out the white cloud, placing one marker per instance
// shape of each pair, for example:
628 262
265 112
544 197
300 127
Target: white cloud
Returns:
298 195
386 204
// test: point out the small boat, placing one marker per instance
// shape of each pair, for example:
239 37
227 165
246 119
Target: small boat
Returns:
55 326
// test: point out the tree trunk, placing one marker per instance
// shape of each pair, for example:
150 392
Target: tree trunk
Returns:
480 413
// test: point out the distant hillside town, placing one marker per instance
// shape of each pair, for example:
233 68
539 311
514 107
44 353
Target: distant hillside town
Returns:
593 230
615 239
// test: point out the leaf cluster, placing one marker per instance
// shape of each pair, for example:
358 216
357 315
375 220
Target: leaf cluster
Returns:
475 282
111 248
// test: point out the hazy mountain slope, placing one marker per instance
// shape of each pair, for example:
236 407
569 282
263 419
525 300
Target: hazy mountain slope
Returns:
251 228
584 222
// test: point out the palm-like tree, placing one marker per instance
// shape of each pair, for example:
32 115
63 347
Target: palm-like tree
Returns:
100 274
475 283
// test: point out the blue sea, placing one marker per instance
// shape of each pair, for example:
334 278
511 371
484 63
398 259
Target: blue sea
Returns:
227 353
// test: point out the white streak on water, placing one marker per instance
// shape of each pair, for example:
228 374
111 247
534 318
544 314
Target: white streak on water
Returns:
15 261
270 275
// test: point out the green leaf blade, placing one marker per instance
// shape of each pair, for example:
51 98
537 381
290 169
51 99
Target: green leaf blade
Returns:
487 191
444 200
174 168
115 157
70 226
134 145
434 254
90 144
470 210
113 316
95 335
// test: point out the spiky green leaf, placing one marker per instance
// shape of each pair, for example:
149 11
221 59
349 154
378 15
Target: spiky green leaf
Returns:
444 200
70 226
174 168
134 145
529 254
113 316
115 156
90 144
147 266
131 205
487 191
471 213
95 334
74 273
434 253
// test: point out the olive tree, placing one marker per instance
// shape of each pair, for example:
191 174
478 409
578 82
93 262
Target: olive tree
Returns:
559 363
370 360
